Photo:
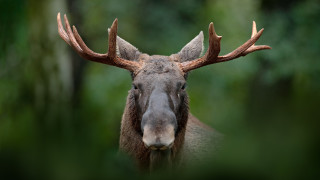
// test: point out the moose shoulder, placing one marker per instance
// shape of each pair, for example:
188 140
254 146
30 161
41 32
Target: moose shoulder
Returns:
157 128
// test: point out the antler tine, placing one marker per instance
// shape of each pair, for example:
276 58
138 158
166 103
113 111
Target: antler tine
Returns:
254 29
75 41
61 30
254 47
112 49
212 57
214 43
211 54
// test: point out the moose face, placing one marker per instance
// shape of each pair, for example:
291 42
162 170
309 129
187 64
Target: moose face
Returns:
159 93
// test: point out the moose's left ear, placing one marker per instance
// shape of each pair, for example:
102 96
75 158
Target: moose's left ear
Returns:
193 49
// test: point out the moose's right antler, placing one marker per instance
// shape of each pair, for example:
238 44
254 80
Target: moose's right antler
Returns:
212 54
110 58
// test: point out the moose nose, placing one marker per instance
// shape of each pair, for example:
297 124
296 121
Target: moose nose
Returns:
158 141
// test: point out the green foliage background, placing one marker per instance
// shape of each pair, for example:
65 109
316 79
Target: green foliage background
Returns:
60 116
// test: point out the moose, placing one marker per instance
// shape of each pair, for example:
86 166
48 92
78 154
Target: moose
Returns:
157 128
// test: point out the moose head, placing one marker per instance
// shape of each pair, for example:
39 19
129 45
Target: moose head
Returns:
157 115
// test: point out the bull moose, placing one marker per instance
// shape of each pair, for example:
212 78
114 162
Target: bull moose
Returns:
157 127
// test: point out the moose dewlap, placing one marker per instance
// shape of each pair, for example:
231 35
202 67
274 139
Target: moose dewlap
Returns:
157 128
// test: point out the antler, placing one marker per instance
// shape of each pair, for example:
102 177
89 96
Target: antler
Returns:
213 51
75 41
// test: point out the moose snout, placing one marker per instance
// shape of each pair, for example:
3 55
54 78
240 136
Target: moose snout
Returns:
158 140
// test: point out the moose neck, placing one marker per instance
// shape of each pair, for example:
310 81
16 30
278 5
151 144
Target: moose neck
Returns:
131 137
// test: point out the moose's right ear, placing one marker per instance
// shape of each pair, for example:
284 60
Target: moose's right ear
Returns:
126 50
193 49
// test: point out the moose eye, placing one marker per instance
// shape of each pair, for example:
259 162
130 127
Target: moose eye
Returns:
183 87
134 86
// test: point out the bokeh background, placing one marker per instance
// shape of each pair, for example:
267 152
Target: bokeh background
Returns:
60 115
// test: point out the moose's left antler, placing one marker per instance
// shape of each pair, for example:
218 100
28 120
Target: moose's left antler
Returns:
212 54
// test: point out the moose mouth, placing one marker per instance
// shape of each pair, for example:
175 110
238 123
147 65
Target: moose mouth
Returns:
159 147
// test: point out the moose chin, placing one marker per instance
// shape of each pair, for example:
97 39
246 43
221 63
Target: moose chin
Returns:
157 129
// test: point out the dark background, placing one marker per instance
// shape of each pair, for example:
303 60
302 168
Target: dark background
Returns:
60 115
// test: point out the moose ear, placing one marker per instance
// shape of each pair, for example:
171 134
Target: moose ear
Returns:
126 50
193 49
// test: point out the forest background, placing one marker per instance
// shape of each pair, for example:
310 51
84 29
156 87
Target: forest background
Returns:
60 115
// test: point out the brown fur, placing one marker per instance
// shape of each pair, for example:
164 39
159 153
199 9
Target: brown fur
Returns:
131 139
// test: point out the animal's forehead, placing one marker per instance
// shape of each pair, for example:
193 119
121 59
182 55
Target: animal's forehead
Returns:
157 64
